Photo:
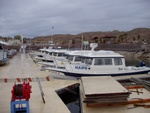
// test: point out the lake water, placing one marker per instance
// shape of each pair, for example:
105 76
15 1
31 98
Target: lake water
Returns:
71 98
136 62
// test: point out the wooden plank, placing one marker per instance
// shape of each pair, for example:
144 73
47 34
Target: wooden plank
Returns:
118 103
134 87
105 101
102 85
106 96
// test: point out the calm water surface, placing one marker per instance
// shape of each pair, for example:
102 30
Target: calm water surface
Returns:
136 62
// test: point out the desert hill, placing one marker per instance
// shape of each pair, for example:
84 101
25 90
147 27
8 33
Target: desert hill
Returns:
139 34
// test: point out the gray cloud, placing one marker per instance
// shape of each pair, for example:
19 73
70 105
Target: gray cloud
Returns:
36 17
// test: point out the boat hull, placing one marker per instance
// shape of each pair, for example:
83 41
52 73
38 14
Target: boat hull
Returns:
3 61
114 74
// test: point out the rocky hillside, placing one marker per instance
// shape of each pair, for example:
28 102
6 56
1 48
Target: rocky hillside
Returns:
138 34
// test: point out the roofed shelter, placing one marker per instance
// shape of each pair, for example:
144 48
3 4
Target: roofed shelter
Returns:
105 39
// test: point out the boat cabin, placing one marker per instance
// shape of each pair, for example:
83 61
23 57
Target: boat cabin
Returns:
103 58
75 56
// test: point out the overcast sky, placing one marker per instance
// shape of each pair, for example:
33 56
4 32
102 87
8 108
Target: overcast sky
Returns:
37 17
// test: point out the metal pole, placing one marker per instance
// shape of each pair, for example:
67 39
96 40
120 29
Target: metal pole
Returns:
82 42
42 93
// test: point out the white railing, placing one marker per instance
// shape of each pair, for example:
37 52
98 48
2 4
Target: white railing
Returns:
1 54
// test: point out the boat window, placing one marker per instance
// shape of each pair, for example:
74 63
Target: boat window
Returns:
1 47
108 61
103 61
77 58
50 53
67 56
118 61
55 54
46 52
88 61
70 58
99 61
83 60
60 54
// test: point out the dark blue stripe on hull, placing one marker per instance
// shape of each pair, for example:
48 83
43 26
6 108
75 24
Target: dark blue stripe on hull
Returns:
122 74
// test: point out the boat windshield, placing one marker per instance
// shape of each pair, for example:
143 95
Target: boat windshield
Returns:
77 58
82 60
60 54
46 52
87 60
50 53
69 57
54 54
42 51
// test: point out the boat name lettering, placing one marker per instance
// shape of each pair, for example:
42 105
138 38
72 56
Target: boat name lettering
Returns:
81 67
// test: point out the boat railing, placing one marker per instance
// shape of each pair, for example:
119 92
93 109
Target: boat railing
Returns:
1 55
68 64
56 64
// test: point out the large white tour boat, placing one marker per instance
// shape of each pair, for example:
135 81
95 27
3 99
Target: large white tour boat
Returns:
100 63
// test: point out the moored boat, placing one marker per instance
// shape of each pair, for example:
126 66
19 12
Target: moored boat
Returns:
3 55
101 63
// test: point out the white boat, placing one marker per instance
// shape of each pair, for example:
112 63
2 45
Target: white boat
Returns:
48 60
101 63
39 52
3 55
11 52
37 55
60 59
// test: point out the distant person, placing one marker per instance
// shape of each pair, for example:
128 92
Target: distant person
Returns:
23 49
142 64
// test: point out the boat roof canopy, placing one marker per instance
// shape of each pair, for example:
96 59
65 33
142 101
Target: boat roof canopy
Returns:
77 52
3 43
102 54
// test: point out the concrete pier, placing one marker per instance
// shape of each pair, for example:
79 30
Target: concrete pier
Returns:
22 66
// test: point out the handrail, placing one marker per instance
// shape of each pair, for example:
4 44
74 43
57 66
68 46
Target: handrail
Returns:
42 93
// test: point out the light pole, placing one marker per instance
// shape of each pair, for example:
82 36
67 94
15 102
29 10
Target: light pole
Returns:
52 38
82 42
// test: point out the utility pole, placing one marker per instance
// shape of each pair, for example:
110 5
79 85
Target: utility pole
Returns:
82 42
52 34
52 38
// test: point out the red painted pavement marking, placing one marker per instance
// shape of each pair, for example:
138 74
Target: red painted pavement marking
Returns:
18 79
47 78
30 80
5 80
